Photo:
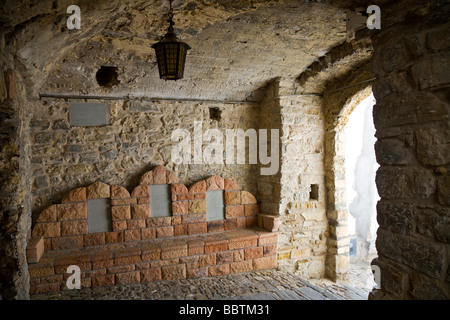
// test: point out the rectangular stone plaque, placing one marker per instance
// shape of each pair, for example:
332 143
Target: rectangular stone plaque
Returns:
215 205
99 215
160 200
87 114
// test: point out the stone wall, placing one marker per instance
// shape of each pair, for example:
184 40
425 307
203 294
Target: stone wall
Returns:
137 137
297 192
411 63
15 199
339 102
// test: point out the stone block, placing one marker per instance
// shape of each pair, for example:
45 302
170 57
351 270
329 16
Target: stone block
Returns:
393 151
271 223
163 232
159 222
119 225
178 188
35 249
215 226
48 214
251 221
234 212
132 235
141 191
119 192
102 264
198 206
71 211
396 218
159 175
197 273
146 178
431 71
252 253
75 195
114 237
174 272
120 213
150 252
214 183
153 274
238 255
171 177
98 190
197 228
135 224
141 211
400 182
148 233
266 238
264 263
198 187
180 207
69 242
251 210
247 198
127 260
94 239
219 270
180 230
230 224
193 218
76 227
103 281
232 198
241 266
229 185
128 277
47 229
171 250
270 249
433 146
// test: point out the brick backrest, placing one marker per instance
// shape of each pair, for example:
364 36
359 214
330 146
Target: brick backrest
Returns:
65 225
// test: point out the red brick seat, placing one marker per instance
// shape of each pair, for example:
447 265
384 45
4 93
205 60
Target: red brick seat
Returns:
143 247
172 258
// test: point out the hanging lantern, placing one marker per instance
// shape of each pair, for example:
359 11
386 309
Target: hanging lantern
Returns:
171 53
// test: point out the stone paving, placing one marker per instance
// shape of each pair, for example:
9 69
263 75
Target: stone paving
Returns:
260 285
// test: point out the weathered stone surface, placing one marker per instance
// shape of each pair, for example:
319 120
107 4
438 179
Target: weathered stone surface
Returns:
398 182
443 186
98 190
433 146
214 183
71 211
247 198
198 187
119 192
48 230
48 214
393 151
197 206
397 218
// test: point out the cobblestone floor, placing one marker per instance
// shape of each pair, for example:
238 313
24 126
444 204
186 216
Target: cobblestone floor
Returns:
262 285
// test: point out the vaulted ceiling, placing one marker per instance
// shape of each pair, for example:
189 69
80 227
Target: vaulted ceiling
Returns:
237 46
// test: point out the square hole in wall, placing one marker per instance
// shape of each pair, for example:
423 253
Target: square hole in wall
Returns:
314 192
215 205
160 200
99 215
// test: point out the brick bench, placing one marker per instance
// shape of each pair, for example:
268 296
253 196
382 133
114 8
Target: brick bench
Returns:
175 258
116 236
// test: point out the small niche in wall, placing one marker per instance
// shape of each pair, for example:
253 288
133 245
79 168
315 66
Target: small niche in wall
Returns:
160 200
314 192
107 77
99 215
215 113
215 207
86 114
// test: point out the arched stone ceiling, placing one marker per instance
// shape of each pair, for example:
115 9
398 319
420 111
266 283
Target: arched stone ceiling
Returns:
237 46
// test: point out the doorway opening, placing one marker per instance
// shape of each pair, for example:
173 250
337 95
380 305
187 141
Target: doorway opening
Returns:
361 193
